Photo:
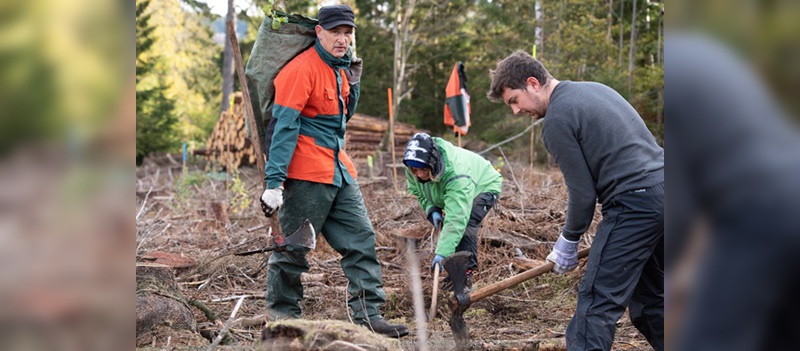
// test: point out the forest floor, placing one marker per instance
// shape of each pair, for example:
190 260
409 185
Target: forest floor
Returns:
206 215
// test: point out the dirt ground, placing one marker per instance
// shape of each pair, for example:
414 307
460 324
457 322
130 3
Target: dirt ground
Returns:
205 215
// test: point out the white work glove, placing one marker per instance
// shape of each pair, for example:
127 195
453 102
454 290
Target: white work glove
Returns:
271 200
354 72
564 255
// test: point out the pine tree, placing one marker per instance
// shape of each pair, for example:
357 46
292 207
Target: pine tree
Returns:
155 117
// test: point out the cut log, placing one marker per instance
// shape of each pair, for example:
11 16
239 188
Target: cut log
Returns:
169 259
159 303
228 144
365 135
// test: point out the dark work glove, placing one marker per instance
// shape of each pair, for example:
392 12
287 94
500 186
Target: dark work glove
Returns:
435 217
437 260
354 72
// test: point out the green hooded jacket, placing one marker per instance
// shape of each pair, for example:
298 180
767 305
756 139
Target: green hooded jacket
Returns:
464 175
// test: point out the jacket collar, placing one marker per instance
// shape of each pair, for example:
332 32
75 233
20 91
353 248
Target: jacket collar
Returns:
334 62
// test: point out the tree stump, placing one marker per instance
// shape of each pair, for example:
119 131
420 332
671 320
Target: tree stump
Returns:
220 212
159 303
299 334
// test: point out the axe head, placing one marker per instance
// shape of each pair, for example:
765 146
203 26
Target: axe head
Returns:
456 267
304 238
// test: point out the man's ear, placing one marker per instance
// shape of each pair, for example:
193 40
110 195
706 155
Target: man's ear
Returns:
534 83
319 30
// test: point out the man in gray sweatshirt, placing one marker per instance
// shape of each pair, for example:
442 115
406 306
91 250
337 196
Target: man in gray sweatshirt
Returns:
607 156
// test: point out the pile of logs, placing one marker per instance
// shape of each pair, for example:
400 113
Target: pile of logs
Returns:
365 135
228 144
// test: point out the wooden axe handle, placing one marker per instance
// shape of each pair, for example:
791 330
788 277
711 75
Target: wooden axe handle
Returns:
277 232
492 289
434 293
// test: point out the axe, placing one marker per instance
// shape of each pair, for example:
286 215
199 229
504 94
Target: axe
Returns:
302 238
456 266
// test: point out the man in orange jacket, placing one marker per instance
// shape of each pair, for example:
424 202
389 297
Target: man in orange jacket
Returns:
309 175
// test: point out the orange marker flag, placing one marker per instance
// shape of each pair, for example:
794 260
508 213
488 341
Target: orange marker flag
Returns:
456 105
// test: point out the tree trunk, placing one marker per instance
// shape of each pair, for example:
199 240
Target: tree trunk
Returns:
621 29
227 63
402 49
610 19
539 31
558 27
659 50
660 63
632 49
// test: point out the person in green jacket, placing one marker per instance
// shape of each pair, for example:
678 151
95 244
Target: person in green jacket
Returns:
456 188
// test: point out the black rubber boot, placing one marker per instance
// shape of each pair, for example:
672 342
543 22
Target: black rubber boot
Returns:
380 326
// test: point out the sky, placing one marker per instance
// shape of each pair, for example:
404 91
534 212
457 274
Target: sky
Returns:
220 7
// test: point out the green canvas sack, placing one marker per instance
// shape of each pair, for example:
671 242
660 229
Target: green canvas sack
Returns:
273 49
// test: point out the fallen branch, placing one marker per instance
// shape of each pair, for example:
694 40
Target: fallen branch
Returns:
228 324
254 321
210 315
315 277
511 138
231 298
407 212
513 239
250 230
143 203
514 178
342 345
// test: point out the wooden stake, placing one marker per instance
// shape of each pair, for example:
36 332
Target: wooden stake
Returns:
391 139
459 138
412 265
277 231
533 133
248 107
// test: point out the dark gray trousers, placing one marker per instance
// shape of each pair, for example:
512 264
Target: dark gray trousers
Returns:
469 242
338 214
625 269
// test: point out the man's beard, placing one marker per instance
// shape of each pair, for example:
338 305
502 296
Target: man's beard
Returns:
423 181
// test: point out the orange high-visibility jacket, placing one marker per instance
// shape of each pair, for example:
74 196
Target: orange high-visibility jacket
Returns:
313 101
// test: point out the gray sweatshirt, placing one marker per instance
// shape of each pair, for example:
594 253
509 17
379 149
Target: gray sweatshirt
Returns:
602 147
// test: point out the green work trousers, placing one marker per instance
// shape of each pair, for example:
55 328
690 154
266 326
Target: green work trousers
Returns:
340 215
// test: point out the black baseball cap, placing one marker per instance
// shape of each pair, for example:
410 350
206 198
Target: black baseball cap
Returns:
336 15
